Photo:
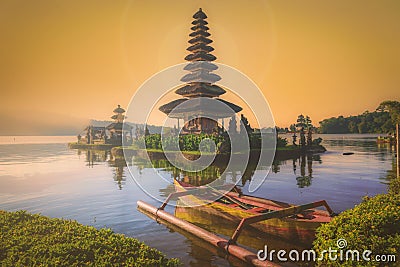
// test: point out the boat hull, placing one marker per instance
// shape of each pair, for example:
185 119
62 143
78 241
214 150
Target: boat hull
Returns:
299 228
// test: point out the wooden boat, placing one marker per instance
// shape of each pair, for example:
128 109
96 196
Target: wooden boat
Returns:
233 207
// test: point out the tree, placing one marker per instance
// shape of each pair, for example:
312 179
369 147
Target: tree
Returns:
368 122
307 122
301 121
246 124
393 107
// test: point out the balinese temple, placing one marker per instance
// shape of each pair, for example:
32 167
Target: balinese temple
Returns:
199 82
111 134
116 128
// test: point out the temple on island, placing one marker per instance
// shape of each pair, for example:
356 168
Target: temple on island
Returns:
116 128
112 134
199 82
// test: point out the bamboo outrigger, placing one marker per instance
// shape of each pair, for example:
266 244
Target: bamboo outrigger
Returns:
277 218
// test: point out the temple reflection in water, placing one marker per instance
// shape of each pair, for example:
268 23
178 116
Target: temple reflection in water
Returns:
302 169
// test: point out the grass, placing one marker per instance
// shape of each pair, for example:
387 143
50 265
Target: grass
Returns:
35 240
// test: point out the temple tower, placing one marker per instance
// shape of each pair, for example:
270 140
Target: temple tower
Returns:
199 82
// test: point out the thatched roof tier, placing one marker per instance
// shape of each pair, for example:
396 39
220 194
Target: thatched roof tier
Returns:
200 14
199 107
199 22
200 27
119 109
200 47
199 33
200 65
234 107
200 76
200 39
200 89
200 57
167 108
118 116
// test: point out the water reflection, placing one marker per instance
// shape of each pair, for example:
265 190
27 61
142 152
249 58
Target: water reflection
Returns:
119 176
94 157
304 161
97 157
302 170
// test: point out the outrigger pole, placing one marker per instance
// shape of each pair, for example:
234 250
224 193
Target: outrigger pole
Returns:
219 242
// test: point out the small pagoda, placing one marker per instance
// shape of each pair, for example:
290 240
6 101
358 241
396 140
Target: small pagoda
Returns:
116 128
200 117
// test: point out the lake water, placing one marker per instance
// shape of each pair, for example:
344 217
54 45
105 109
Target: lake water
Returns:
41 175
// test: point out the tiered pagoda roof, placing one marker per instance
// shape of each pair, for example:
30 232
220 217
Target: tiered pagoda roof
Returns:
118 118
200 79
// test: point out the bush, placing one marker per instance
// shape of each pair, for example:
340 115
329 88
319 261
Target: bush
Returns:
281 142
394 186
190 142
317 141
372 225
35 240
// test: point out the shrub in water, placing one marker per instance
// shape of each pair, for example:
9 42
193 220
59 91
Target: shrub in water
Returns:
372 225
34 240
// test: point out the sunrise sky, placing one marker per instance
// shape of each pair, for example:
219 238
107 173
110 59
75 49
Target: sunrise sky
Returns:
64 62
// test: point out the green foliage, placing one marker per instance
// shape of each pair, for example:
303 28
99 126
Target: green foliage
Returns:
281 142
394 186
368 122
302 122
394 181
35 240
190 142
372 225
246 124
393 107
317 141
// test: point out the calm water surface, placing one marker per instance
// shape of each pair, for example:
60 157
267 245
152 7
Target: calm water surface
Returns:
41 175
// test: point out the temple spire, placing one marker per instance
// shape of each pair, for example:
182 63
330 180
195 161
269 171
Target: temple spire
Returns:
199 82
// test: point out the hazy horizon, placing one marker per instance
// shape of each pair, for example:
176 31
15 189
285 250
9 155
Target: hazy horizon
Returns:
65 62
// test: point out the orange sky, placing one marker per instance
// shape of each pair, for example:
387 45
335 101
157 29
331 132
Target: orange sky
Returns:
63 62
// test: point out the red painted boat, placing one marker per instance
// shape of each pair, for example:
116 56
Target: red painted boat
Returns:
233 207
